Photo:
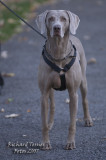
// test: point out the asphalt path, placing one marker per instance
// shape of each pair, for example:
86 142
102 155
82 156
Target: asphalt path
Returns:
21 94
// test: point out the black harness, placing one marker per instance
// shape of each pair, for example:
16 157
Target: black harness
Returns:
58 69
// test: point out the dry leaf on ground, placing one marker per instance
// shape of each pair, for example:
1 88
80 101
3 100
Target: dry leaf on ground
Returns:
67 100
4 54
20 39
1 23
10 99
12 115
28 110
2 110
92 61
18 29
11 21
8 74
24 135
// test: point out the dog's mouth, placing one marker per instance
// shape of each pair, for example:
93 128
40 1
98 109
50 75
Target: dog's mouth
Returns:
57 33
57 30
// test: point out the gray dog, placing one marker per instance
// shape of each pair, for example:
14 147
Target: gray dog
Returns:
62 66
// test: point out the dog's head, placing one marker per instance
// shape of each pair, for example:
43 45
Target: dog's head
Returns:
57 22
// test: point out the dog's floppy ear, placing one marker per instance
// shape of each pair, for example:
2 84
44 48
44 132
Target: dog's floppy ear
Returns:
40 21
74 22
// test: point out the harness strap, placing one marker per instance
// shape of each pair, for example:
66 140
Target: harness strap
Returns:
58 69
63 83
55 67
51 64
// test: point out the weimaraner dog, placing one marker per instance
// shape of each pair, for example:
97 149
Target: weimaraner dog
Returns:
62 66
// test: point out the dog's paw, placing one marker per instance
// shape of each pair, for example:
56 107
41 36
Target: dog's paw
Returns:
70 146
46 146
50 125
88 122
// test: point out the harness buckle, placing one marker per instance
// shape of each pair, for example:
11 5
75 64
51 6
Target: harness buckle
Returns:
63 69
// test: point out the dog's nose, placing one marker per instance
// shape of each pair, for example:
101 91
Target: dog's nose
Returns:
57 28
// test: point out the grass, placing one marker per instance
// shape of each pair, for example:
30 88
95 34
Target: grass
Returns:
9 23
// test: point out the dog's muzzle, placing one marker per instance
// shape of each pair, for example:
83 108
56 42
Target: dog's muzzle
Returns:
57 30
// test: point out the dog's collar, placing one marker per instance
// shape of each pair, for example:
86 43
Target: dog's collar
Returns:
59 59
55 59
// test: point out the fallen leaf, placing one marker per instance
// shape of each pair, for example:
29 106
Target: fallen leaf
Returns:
24 135
28 110
8 74
67 100
12 115
4 54
2 110
10 99
92 61
11 21
34 6
22 39
1 23
18 29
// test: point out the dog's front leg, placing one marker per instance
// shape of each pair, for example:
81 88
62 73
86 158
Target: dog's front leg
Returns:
45 129
72 127
87 117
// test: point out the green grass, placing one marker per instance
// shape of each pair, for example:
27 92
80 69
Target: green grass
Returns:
11 22
40 1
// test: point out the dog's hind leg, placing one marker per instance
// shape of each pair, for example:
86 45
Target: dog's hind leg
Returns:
87 117
52 109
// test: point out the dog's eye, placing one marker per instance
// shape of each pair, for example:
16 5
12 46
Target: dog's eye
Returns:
62 18
51 19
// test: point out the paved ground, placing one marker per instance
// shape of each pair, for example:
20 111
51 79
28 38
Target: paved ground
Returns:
24 51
